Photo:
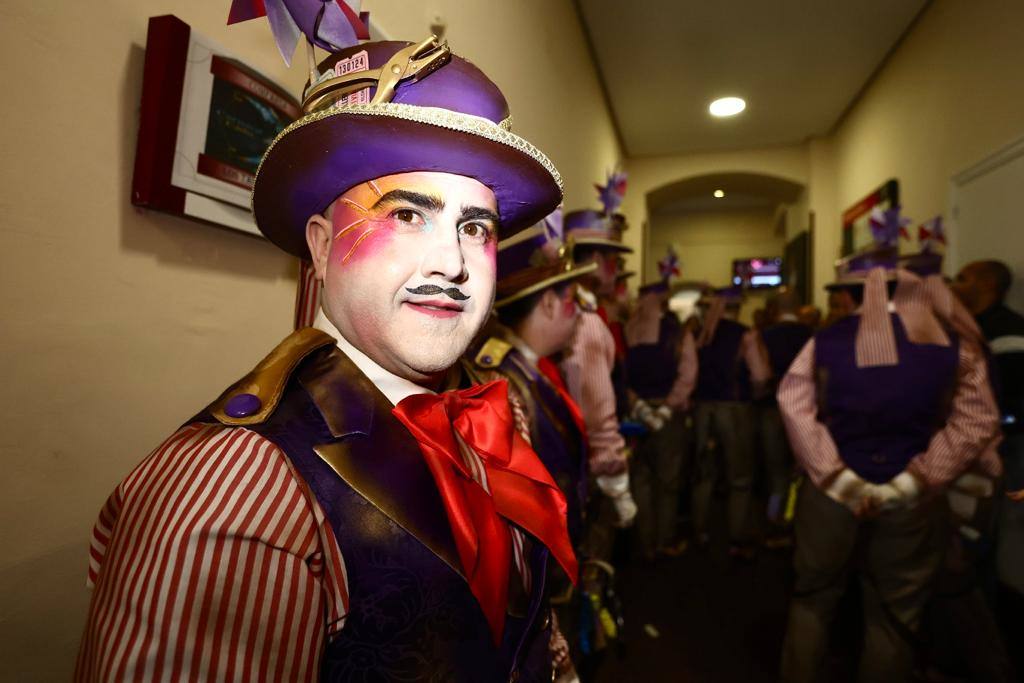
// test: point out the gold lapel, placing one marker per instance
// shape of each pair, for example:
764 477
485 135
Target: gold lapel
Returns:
376 455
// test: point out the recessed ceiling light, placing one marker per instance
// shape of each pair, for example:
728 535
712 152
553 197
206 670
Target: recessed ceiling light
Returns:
719 194
727 106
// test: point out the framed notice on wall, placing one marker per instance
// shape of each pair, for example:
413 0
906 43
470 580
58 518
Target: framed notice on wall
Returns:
856 226
205 121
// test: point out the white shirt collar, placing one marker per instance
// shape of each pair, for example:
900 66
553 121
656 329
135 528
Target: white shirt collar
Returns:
393 387
788 318
528 353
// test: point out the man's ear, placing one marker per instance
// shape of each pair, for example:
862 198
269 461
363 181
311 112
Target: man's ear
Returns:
318 239
550 303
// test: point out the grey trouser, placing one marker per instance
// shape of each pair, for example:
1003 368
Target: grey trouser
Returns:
896 557
730 423
778 459
655 477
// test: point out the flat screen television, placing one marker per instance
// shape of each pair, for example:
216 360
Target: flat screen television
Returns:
757 273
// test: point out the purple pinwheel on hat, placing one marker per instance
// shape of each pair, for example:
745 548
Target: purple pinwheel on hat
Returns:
383 108
886 228
331 25
612 192
928 261
668 268
535 259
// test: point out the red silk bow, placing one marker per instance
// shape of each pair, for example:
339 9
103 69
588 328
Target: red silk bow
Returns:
521 489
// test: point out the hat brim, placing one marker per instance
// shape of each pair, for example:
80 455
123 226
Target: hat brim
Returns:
604 243
324 154
544 283
857 280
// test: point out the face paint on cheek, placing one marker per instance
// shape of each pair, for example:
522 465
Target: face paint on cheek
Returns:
569 307
354 231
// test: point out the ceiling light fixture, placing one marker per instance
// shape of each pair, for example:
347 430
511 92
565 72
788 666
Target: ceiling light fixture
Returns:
727 106
719 194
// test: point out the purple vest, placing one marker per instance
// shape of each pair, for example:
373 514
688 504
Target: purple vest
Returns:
723 374
652 368
881 417
784 341
412 616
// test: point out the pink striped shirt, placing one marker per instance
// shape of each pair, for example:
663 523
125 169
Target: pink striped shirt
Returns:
213 560
971 427
588 375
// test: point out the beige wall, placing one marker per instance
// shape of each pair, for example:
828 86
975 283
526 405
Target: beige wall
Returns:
708 241
120 324
949 96
650 173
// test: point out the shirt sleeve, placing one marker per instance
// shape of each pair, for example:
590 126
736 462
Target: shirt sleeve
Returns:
686 375
588 375
756 357
812 444
212 561
970 429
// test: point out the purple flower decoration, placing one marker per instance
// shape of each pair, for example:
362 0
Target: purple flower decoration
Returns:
931 234
668 267
612 192
331 25
887 226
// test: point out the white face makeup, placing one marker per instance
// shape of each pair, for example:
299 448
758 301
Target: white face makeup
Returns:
408 266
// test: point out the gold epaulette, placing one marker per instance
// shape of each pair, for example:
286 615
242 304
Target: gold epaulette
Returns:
252 399
492 353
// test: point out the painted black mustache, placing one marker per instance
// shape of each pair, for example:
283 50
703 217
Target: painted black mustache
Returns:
429 290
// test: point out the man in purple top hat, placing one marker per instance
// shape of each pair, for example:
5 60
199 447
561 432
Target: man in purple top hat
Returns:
589 366
343 512
732 366
884 409
537 308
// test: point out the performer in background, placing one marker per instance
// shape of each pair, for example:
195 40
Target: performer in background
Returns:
884 409
661 364
783 338
732 366
538 306
588 366
982 286
342 512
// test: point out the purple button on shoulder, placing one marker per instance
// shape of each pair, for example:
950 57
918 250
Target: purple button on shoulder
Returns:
242 405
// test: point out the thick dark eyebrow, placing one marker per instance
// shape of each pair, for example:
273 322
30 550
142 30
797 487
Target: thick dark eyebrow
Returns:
476 213
427 202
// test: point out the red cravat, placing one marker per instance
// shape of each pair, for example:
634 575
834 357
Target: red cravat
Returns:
521 490
550 370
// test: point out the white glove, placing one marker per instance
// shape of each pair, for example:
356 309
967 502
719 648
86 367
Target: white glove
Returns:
848 489
902 491
654 420
616 487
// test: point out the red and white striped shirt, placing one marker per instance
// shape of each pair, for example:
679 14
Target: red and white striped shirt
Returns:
588 375
971 427
212 561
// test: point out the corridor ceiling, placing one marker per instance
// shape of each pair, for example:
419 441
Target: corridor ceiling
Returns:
798 63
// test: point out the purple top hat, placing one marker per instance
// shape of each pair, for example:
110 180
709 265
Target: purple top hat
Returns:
383 108
593 228
656 287
731 295
536 259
